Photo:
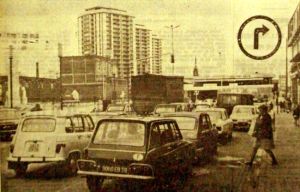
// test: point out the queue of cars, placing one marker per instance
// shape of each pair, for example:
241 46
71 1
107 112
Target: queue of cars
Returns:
157 149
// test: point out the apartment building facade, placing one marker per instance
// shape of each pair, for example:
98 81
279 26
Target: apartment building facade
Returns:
156 55
108 32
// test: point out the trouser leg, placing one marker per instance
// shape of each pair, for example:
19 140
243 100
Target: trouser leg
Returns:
253 154
271 154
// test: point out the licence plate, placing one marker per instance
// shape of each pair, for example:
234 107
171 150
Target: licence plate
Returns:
114 169
33 147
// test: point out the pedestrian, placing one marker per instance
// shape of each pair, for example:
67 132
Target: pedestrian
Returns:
37 107
264 135
296 114
272 113
289 104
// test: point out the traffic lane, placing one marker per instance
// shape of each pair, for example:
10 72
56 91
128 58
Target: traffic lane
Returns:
50 177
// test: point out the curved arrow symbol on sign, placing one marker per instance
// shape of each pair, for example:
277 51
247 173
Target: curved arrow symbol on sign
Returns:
257 31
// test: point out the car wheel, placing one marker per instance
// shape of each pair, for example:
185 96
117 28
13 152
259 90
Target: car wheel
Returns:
21 169
72 164
94 183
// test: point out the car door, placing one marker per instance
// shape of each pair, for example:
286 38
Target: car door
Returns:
88 129
204 133
212 135
78 140
168 148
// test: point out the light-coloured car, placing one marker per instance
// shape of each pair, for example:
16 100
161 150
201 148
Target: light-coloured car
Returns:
221 121
242 116
201 106
50 137
113 110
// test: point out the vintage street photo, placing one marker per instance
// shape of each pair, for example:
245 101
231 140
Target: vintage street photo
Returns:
149 95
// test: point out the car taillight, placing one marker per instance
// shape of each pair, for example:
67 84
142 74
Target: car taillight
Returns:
11 148
140 170
58 147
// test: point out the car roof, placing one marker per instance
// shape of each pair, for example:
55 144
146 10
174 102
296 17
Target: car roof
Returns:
211 109
7 109
53 113
145 119
171 104
244 106
183 114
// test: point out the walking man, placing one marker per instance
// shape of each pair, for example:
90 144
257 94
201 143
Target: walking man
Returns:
264 135
296 114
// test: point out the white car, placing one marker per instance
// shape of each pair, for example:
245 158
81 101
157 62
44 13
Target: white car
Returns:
221 121
242 116
43 137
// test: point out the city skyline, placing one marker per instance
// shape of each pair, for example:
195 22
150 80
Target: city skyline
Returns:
58 20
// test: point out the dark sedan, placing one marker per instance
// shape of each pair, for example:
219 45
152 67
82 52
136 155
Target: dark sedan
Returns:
197 128
138 151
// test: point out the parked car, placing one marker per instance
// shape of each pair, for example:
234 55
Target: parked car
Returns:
167 108
9 119
184 106
201 106
221 121
113 110
242 116
47 137
196 127
139 150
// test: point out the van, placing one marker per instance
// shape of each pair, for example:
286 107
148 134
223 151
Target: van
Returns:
229 100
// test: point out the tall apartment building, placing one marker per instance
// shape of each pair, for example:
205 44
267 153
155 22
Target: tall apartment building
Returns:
108 32
156 55
143 49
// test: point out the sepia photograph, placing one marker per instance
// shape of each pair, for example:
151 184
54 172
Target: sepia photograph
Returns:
150 95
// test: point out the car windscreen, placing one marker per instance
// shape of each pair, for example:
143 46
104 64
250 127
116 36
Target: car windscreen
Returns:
214 115
115 108
120 133
38 125
185 123
165 109
202 106
9 114
244 110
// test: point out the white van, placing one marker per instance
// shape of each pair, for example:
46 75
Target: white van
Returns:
42 137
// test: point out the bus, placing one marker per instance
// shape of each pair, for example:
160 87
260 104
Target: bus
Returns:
229 100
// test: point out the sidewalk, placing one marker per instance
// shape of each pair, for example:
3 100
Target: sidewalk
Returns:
286 176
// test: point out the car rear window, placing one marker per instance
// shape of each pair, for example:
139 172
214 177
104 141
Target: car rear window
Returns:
165 109
120 133
185 123
38 125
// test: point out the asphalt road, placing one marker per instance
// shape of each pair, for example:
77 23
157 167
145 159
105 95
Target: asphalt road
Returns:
211 177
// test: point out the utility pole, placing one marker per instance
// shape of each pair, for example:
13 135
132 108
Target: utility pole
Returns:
11 74
172 27
286 68
37 80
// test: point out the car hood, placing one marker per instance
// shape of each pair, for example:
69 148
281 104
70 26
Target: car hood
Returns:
241 116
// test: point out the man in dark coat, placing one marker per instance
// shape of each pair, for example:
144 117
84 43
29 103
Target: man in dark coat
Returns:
264 135
296 114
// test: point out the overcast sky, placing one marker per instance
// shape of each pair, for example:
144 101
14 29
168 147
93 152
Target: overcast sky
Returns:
57 20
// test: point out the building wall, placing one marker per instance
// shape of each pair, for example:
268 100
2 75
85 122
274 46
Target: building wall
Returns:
108 32
143 49
157 55
294 57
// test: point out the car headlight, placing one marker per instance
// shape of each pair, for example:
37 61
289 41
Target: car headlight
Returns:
138 157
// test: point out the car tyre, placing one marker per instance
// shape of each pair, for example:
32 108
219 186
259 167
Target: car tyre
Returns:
72 164
21 169
94 183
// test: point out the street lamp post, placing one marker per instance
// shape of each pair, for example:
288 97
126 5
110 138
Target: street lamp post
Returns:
11 74
286 68
172 27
